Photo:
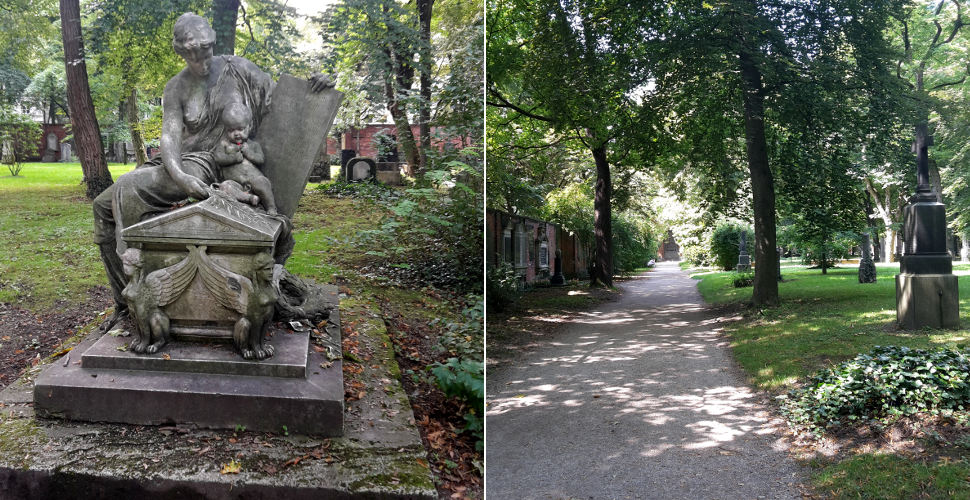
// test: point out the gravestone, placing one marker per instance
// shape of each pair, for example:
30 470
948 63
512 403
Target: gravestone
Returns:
50 149
557 277
389 172
867 268
744 260
204 272
778 249
361 169
321 167
66 152
965 248
291 134
926 288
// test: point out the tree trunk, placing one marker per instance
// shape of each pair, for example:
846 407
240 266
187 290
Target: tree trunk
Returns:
137 141
884 209
889 245
964 247
404 135
424 109
825 259
84 123
224 15
762 185
602 219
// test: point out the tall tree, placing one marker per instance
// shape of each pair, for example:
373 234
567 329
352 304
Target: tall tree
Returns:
224 14
424 53
600 101
376 44
84 123
755 51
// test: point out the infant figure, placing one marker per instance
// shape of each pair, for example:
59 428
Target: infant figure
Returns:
239 158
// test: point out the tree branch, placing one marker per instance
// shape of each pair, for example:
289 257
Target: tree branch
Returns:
506 104
957 82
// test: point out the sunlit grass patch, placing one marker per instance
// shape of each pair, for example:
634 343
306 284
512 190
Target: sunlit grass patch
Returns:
884 476
822 319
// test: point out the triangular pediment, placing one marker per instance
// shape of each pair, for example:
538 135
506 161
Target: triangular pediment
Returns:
214 218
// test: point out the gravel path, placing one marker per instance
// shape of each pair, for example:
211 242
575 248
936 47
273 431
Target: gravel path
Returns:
639 400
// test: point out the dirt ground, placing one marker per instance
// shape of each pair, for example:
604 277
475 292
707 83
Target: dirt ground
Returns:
26 338
451 451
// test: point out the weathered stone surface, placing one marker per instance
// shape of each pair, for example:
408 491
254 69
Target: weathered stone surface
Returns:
290 360
927 300
379 456
291 134
311 405
926 289
215 221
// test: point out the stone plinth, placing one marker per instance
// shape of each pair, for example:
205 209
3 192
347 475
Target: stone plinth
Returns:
207 386
927 300
926 289
744 263
380 454
290 360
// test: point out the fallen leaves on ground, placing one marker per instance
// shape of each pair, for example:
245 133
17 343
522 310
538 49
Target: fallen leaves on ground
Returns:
233 467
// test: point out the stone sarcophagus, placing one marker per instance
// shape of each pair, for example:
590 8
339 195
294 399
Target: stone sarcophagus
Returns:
202 271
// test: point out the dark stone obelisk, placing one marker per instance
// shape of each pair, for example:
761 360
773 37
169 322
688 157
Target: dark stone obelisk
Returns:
744 260
926 289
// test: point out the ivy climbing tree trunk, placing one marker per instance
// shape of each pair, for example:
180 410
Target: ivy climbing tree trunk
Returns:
137 140
84 123
398 111
424 109
762 184
224 16
603 219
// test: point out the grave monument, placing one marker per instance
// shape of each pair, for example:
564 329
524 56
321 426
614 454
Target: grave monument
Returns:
195 263
926 289
361 169
744 260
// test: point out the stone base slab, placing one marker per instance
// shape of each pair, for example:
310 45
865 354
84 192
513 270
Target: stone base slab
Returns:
927 301
312 405
380 454
290 360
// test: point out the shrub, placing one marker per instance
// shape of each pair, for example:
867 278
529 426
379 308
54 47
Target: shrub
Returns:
432 233
502 286
465 380
741 280
887 382
18 138
725 241
634 243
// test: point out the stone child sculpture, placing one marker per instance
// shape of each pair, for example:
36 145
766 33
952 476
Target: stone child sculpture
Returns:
194 101
240 158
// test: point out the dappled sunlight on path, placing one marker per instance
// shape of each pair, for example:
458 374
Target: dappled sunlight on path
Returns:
638 399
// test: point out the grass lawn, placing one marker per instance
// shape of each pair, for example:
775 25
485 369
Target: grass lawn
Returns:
47 231
826 319
822 320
